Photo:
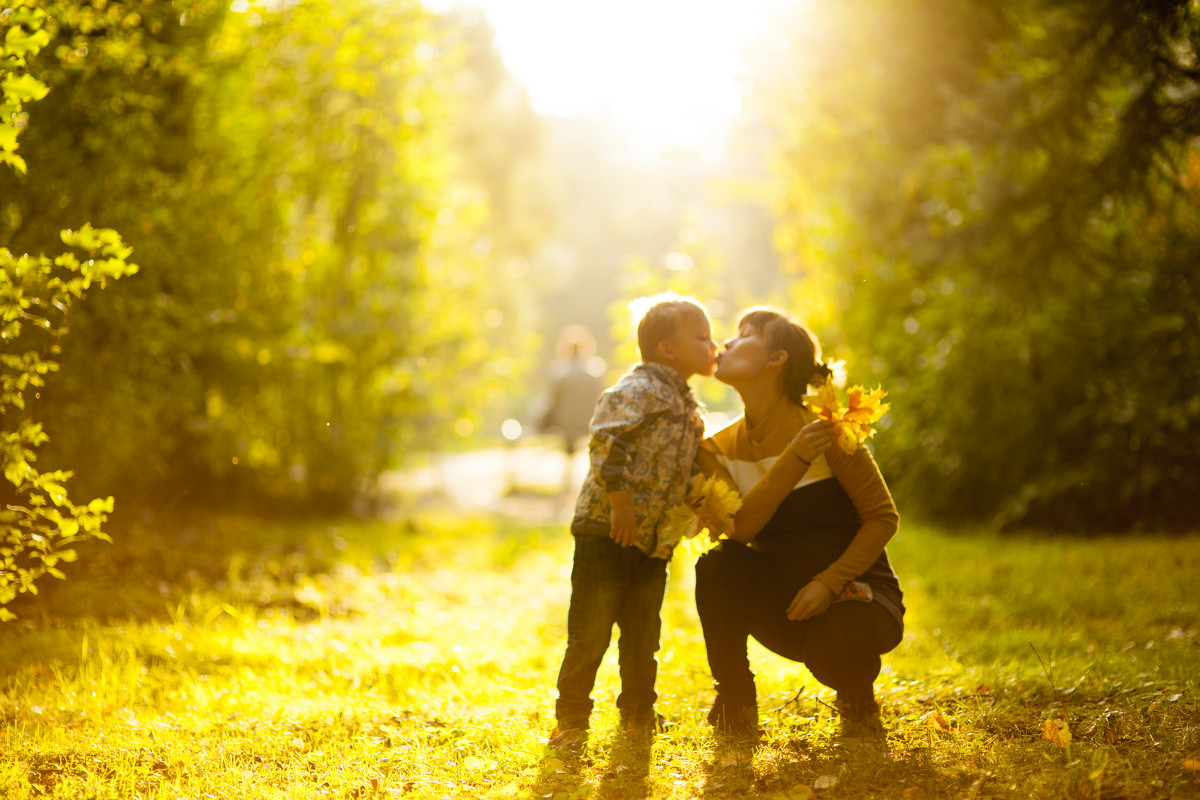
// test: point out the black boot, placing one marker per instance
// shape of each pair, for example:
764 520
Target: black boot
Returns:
734 719
859 716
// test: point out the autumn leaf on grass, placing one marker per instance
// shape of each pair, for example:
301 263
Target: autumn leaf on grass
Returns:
710 507
854 419
1052 731
939 723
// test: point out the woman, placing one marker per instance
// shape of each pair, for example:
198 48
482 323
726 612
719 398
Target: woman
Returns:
808 543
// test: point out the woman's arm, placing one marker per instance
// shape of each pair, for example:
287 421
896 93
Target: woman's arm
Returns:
762 500
859 475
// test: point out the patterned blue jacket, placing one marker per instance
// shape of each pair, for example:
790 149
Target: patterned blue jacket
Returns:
644 435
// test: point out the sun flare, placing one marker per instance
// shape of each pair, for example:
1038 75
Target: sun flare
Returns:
666 71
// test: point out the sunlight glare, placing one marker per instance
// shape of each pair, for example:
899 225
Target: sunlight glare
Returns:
667 71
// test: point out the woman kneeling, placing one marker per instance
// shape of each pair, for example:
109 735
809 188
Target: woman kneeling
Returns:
805 570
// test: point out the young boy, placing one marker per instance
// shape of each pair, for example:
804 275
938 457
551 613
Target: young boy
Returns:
644 435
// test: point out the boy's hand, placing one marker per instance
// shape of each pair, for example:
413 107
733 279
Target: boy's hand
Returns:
624 521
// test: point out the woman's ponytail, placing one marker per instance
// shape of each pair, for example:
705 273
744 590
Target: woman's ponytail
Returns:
821 373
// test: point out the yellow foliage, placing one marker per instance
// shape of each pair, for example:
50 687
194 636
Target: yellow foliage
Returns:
855 418
710 507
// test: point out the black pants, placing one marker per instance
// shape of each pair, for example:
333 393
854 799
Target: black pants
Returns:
740 593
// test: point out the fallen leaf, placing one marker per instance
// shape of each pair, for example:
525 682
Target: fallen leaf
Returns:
1059 734
936 721
553 764
825 782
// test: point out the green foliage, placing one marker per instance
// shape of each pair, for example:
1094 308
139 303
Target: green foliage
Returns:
24 35
994 211
312 279
38 521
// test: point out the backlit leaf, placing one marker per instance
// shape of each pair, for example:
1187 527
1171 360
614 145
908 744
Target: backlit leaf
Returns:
1059 734
854 419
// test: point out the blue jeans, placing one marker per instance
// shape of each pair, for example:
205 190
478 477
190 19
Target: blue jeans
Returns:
611 585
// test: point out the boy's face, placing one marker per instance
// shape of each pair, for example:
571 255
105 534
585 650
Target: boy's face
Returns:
690 350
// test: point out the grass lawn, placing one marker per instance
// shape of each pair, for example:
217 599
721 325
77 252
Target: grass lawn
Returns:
233 658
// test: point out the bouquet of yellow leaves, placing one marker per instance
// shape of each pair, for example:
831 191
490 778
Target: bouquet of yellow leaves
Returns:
855 418
710 507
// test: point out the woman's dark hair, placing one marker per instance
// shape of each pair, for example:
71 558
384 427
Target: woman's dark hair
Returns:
803 367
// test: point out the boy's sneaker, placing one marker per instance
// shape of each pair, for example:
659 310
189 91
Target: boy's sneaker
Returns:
734 719
568 738
859 717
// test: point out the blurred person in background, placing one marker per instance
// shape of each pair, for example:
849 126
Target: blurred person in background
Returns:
576 382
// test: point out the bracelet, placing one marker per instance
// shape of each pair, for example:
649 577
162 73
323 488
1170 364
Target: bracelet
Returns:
802 461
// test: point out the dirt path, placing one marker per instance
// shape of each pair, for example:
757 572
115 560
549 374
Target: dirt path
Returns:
527 481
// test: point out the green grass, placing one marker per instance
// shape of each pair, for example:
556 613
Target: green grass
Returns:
232 658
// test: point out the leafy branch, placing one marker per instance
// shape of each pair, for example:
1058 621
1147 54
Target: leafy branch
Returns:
39 524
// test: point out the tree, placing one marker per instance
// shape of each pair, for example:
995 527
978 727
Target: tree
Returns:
308 300
997 208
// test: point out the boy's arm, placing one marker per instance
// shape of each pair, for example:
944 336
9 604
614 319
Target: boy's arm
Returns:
613 429
614 425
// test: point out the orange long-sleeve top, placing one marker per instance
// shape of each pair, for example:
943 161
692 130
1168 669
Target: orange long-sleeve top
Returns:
757 461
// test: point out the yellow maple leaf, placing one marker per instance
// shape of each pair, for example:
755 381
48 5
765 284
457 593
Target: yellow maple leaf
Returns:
714 502
825 402
710 507
855 418
1059 734
678 523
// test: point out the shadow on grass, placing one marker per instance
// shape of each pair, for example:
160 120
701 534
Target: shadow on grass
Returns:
731 770
626 771
560 770
800 767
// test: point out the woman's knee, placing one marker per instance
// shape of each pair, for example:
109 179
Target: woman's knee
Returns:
727 558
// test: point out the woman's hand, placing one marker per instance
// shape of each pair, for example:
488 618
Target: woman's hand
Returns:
813 439
815 598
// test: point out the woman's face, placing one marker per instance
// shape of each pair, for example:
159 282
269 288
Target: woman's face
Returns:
743 357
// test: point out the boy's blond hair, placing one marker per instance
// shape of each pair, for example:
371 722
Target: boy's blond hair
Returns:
657 316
